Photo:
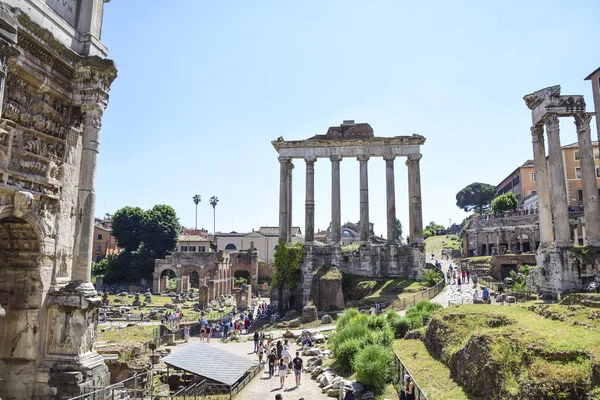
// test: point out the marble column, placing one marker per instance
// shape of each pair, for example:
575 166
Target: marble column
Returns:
289 202
591 207
521 241
283 194
336 216
575 232
558 192
364 198
391 198
86 198
541 182
415 212
583 231
309 221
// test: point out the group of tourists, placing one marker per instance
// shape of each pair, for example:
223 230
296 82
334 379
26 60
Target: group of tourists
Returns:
278 357
459 276
172 318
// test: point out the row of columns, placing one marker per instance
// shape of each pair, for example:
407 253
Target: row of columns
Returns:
414 190
496 241
551 185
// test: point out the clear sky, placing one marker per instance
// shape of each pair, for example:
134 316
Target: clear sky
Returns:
204 87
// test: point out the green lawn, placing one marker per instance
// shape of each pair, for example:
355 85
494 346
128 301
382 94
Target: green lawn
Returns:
382 290
139 334
432 376
437 243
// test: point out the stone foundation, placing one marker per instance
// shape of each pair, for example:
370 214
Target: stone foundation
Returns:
564 269
406 261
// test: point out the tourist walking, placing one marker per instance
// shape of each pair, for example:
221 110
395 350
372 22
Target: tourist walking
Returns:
272 358
468 276
186 332
260 351
285 355
458 283
297 362
255 340
282 372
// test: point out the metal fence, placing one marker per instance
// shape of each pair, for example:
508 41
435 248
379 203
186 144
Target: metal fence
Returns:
427 294
235 389
500 287
401 370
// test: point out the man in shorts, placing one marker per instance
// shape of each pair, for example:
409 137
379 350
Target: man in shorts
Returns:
297 361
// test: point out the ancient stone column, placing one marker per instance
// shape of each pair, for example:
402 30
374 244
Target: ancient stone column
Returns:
575 232
558 192
283 194
364 198
289 203
415 211
584 231
336 216
92 122
309 221
8 41
541 182
391 198
589 183
521 241
178 285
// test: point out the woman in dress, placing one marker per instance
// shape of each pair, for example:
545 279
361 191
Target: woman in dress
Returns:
283 372
408 388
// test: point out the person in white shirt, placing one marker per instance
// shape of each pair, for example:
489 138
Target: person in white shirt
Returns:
286 357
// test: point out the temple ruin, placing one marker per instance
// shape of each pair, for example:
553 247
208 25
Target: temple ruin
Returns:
54 83
561 266
354 140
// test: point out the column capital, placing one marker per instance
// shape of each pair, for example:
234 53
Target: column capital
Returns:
310 159
290 165
390 157
284 160
335 158
413 158
537 131
551 121
362 157
582 120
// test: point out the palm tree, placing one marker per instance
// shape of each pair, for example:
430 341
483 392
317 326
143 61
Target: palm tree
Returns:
213 202
197 200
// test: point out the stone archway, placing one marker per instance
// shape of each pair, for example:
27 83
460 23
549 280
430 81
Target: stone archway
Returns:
21 295
241 274
165 275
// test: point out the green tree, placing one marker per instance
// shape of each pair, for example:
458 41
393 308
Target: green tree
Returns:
161 228
213 202
127 227
398 231
431 229
505 202
476 196
288 268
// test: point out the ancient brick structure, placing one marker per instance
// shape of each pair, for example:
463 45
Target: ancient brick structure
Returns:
215 270
54 83
355 140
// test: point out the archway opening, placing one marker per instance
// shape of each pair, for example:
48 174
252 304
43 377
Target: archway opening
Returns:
21 294
190 280
241 277
168 280
230 246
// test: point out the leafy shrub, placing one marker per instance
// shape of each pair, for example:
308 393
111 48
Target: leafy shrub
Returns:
374 366
343 319
431 277
418 315
350 331
346 351
398 324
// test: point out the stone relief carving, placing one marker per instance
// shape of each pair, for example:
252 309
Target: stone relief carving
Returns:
23 202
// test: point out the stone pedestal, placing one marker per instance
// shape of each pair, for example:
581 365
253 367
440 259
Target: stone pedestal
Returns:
73 365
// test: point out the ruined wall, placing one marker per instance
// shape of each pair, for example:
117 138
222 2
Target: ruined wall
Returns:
510 259
406 261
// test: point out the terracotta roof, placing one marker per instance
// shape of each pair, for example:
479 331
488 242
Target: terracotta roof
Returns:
193 238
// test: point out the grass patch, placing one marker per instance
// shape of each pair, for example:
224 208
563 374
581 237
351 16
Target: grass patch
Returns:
479 259
372 290
430 374
140 334
437 243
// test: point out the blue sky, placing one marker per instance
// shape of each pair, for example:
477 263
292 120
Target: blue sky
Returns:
204 87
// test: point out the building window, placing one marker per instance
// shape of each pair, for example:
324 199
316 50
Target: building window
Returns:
597 172
576 155
516 180
596 155
532 177
98 247
99 236
193 248
579 195
577 173
202 249
184 248
230 246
